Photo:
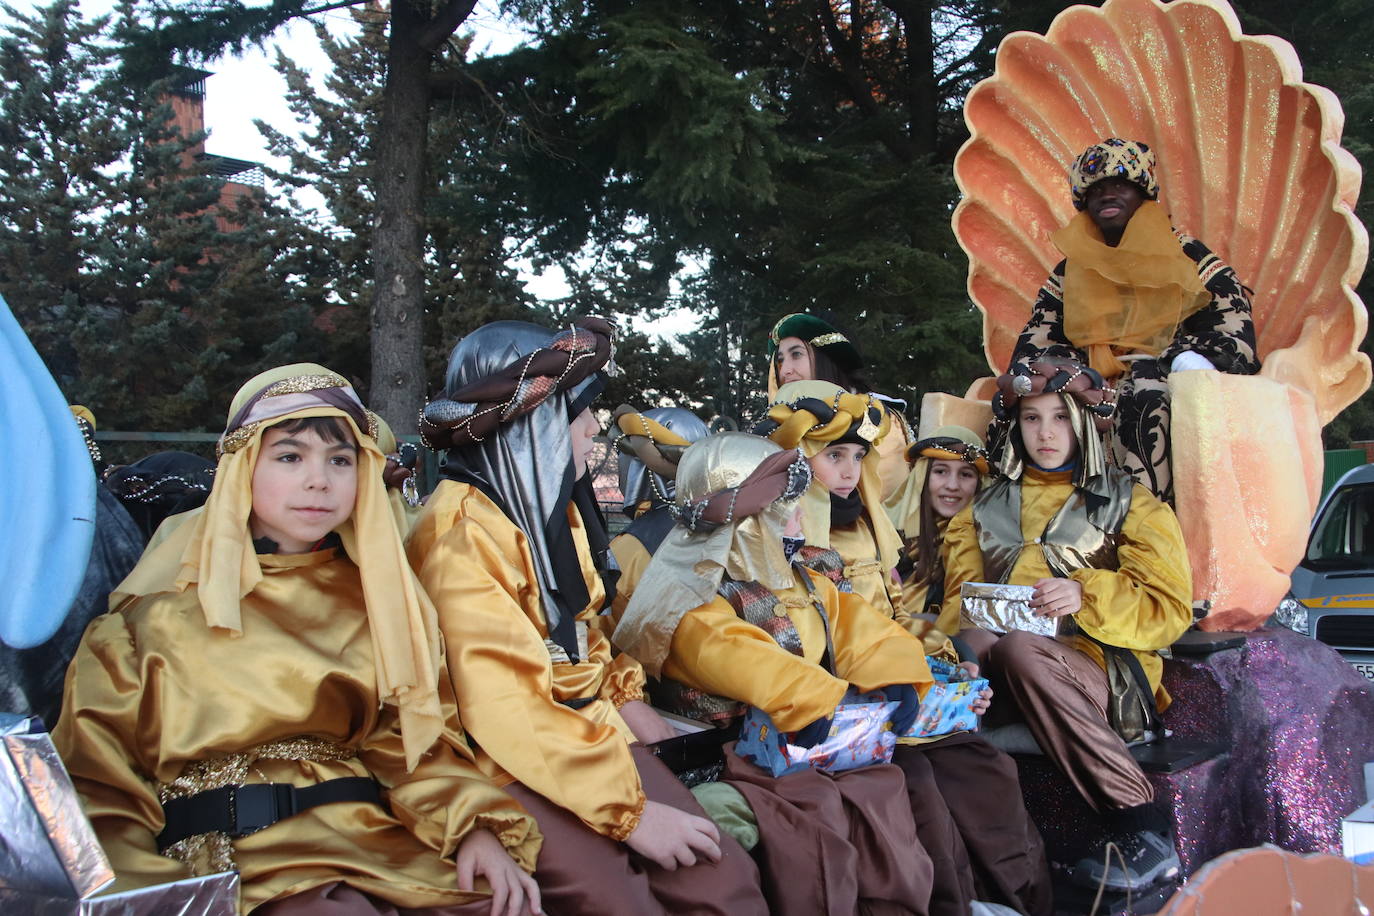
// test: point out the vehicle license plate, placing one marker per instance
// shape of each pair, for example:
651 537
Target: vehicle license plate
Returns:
1365 668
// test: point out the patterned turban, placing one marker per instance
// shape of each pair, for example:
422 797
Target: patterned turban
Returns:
1113 158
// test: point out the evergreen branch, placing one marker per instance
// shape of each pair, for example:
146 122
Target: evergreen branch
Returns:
444 24
328 7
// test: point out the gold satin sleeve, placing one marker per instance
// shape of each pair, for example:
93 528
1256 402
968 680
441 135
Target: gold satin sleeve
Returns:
624 681
1146 603
872 650
632 559
475 565
716 651
963 563
446 797
99 739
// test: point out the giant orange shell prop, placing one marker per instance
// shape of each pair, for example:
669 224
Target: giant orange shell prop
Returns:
1250 163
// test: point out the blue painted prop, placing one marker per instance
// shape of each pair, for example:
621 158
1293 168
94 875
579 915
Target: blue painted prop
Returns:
47 494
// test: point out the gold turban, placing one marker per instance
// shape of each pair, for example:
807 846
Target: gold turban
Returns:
213 548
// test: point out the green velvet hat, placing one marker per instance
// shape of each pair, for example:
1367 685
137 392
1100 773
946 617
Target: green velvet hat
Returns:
820 335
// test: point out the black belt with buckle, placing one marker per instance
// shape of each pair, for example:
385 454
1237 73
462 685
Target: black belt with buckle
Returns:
579 702
241 810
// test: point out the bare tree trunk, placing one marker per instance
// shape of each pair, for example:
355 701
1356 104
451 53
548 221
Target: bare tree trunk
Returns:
398 302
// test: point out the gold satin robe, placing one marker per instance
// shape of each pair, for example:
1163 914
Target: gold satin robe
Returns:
476 566
1143 605
859 549
153 688
716 651
632 558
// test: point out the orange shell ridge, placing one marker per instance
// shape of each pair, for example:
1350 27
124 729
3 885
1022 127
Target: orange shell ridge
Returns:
1250 163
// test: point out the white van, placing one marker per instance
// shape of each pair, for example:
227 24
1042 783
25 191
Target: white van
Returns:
1332 597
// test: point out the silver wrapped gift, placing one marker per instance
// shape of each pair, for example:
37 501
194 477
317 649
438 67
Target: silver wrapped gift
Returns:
50 859
1002 608
212 895
47 846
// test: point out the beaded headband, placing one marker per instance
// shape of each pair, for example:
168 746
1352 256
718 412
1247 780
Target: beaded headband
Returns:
948 448
287 396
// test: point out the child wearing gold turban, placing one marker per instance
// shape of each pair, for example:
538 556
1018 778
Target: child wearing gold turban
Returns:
963 792
276 644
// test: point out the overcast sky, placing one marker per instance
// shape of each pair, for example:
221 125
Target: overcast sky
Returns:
246 88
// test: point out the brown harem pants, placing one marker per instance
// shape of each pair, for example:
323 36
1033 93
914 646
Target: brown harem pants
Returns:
580 871
966 797
834 844
1061 695
339 899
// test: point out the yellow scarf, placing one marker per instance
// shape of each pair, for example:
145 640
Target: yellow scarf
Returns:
1131 298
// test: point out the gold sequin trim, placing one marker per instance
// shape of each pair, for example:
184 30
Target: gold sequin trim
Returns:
210 853
231 442
862 568
303 384
826 340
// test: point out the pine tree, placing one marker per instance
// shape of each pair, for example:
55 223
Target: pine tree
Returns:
149 301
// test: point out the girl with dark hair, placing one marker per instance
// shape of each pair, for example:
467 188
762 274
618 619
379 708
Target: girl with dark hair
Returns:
947 469
803 347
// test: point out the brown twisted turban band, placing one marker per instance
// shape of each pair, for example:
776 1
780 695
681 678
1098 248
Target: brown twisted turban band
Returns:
651 442
1050 376
782 475
473 412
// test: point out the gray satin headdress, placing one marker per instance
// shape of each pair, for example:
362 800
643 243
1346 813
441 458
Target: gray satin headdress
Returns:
638 482
525 461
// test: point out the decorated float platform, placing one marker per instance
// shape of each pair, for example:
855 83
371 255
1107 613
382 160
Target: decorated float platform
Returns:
1268 742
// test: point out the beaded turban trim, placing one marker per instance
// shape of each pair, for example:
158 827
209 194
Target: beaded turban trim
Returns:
780 477
289 395
845 417
476 410
1113 158
948 448
1051 376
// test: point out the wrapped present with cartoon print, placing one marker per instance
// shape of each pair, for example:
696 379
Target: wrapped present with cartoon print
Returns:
948 706
860 735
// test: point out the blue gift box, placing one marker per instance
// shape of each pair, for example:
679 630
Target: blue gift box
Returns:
861 735
948 706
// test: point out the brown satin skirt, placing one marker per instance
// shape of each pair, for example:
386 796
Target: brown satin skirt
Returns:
835 844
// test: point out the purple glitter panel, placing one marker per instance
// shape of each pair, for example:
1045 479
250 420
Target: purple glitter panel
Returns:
1299 722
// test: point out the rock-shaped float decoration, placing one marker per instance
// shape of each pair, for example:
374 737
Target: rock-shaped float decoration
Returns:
1249 162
